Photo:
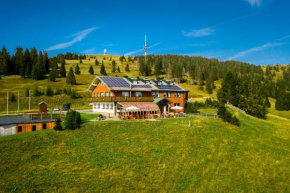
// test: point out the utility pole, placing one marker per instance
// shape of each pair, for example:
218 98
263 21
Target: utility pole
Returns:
18 102
7 102
29 99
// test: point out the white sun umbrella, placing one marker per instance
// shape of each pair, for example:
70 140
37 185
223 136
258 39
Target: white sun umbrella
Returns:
177 108
132 108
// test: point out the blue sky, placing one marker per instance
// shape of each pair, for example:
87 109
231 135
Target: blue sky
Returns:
254 31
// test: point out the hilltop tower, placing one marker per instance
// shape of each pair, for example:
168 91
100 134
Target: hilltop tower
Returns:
105 52
145 48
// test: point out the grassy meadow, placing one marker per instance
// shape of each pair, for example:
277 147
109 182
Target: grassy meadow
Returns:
151 156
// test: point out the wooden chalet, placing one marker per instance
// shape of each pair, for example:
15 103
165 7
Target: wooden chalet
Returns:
139 98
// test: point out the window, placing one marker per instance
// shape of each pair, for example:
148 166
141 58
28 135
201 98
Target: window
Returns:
95 106
135 82
138 94
147 82
44 126
33 127
157 94
94 94
19 129
99 105
101 94
167 94
110 94
177 104
153 94
107 94
177 94
125 94
112 106
104 106
159 82
97 94
107 106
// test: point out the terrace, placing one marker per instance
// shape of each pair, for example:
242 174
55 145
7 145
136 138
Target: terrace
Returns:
120 99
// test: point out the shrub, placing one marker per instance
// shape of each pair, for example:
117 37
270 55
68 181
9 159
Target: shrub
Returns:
57 126
12 98
49 91
72 120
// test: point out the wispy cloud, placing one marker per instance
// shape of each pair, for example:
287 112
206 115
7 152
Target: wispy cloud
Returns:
209 30
140 50
89 51
78 37
256 49
255 2
198 33
107 45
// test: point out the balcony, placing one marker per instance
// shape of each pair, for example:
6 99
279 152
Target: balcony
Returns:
120 99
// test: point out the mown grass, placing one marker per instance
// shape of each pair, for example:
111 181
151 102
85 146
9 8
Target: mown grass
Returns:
151 156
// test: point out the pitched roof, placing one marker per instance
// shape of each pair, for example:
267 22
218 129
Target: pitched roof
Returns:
20 119
126 84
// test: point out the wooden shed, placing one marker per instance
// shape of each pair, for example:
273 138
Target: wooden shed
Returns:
42 107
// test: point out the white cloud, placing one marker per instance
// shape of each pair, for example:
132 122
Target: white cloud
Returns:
89 51
198 33
78 37
255 49
140 50
255 2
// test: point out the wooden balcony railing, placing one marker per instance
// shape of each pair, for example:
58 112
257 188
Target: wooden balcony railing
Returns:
120 99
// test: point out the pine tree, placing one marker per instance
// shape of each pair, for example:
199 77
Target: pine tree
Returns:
70 79
53 72
91 70
103 69
49 91
72 120
46 62
77 70
5 62
12 98
97 62
267 103
62 68
27 92
208 87
127 68
119 69
27 63
57 125
157 67
81 61
113 66
19 62
37 91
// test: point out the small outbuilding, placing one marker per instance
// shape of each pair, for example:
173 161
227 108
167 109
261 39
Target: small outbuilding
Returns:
42 107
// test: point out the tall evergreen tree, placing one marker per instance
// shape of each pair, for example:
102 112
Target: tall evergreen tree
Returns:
127 69
103 69
70 79
91 70
27 63
119 69
19 62
53 72
97 62
62 68
77 70
113 66
5 59
46 62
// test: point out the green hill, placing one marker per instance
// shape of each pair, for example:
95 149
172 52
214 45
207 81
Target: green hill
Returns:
13 84
151 156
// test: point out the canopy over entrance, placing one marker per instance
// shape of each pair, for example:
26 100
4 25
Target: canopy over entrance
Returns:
140 106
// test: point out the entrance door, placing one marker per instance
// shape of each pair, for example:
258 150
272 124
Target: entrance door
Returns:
164 109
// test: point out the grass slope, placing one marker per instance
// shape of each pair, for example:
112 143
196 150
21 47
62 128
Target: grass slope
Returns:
155 156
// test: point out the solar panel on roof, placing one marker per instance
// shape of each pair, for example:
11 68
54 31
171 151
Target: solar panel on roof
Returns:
115 82
142 86
168 87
